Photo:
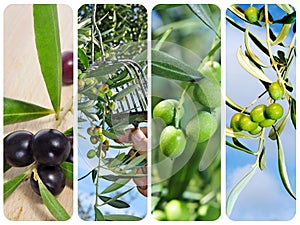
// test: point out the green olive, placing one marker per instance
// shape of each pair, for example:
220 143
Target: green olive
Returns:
177 211
274 111
257 114
247 124
267 123
234 123
208 93
256 131
276 91
159 215
201 127
251 14
166 110
172 142
212 69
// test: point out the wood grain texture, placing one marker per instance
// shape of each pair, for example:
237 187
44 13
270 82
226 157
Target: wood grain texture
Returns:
23 81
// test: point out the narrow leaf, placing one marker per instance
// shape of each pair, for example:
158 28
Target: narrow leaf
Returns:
285 7
16 111
169 67
293 111
250 67
120 95
67 167
11 185
235 192
231 133
253 56
279 127
115 186
98 214
282 168
287 19
55 208
121 217
239 148
204 14
47 41
262 159
83 58
135 162
103 69
110 135
119 204
232 104
282 34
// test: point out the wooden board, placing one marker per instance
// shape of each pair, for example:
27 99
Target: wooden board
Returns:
23 80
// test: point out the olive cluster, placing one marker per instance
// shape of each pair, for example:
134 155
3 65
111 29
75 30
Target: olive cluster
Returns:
261 115
96 136
48 148
172 138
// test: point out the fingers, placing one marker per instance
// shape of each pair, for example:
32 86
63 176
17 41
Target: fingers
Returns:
139 141
126 136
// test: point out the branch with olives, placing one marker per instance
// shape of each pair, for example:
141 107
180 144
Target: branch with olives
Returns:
251 122
46 155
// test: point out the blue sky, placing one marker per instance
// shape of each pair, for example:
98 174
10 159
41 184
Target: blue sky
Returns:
265 197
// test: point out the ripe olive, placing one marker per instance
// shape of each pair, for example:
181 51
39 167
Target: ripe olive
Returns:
94 139
201 127
208 93
257 114
50 147
276 91
172 141
177 211
234 123
245 123
70 156
17 149
52 177
212 69
166 110
251 14
274 111
67 67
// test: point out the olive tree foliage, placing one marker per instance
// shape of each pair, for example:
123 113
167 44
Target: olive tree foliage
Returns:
270 59
111 58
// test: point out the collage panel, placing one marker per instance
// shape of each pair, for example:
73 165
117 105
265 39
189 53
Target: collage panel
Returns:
112 112
37 112
186 113
261 112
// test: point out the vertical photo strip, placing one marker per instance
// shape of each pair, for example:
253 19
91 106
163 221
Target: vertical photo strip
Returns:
186 113
38 112
261 112
112 112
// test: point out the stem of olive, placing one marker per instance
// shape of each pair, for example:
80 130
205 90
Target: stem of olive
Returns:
68 107
178 108
255 100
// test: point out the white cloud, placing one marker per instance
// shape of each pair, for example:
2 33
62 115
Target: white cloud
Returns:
262 199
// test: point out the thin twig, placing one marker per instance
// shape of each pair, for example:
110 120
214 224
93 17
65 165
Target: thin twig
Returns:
98 31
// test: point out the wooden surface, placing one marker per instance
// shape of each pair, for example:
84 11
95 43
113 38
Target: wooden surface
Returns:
23 80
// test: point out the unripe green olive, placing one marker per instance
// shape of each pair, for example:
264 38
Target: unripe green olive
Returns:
212 69
234 123
267 123
251 14
201 127
276 91
177 211
172 142
257 114
256 131
208 93
247 124
274 111
166 110
91 153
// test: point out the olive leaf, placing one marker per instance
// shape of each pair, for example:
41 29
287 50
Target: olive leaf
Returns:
115 186
232 104
282 167
167 66
83 58
253 56
293 111
231 133
98 214
250 67
285 7
16 111
102 69
282 34
239 148
121 217
119 204
120 95
135 162
287 19
235 192
11 185
46 30
204 14
67 168
52 204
